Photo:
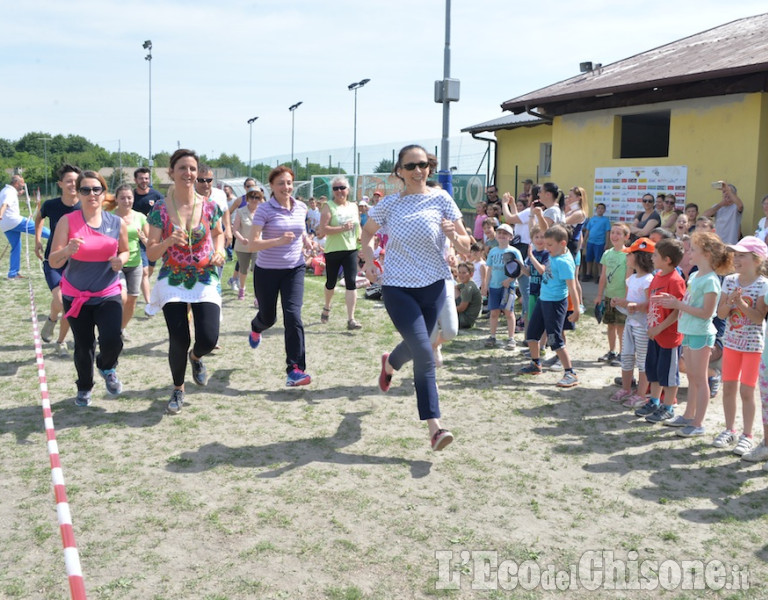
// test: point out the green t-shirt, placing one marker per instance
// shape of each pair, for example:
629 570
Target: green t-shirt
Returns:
138 220
615 263
470 293
698 286
341 215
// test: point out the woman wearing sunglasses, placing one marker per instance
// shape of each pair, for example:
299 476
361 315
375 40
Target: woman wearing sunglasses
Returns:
242 221
340 225
94 246
418 220
185 230
646 220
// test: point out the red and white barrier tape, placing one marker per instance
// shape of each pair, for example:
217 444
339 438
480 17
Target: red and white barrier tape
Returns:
71 556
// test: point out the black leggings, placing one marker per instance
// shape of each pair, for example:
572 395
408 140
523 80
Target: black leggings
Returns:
206 316
107 317
343 258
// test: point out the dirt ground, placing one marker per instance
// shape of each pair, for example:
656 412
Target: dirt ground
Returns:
331 491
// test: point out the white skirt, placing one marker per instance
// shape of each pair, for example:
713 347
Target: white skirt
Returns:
163 293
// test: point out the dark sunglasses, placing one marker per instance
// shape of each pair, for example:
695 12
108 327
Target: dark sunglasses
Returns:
339 188
86 191
648 201
411 166
669 201
205 180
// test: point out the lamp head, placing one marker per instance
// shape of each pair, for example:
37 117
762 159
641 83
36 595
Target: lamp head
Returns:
147 45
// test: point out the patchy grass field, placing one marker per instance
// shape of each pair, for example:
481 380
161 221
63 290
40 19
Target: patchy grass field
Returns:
331 491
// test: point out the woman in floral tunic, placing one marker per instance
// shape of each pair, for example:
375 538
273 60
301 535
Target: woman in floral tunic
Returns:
185 230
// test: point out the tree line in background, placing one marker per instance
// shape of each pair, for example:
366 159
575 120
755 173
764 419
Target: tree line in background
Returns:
39 156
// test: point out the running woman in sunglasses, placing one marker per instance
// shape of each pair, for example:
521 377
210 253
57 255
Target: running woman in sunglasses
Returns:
340 225
418 220
94 246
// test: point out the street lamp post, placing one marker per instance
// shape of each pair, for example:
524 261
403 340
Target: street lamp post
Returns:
355 86
293 108
147 45
250 145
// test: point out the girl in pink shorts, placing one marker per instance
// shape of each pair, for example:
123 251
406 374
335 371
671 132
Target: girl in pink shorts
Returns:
742 304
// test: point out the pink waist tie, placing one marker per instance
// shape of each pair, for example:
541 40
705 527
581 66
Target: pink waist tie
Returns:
80 297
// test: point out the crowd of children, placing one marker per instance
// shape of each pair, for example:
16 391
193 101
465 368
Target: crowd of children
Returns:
677 301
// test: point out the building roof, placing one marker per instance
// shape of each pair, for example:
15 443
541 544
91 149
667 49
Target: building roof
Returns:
731 58
508 121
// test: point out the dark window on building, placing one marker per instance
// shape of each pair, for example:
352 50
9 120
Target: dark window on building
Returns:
645 135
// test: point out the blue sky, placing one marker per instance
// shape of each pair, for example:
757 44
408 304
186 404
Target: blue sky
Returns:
78 67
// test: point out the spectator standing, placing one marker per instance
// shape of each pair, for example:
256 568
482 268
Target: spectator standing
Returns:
612 284
596 231
743 307
549 314
762 225
727 214
697 308
662 361
646 220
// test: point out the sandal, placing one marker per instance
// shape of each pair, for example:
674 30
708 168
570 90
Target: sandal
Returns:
441 439
324 314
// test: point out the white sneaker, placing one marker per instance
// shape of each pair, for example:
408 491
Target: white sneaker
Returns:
757 454
724 439
745 445
61 349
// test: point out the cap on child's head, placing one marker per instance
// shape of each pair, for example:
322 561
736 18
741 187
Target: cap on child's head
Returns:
505 228
750 243
642 244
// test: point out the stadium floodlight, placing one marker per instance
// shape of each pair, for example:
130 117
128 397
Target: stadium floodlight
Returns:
354 87
250 145
293 108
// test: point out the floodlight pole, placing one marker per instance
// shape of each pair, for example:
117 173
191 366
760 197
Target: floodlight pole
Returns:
354 87
147 45
293 108
250 145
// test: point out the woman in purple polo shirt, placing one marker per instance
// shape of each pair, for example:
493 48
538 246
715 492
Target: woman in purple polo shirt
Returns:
277 234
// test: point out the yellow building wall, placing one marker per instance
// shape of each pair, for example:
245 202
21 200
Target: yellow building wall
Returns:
518 149
724 137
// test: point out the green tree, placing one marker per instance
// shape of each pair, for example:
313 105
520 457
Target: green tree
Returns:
6 148
162 159
385 166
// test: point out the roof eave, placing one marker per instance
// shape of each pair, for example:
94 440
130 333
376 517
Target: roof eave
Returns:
525 104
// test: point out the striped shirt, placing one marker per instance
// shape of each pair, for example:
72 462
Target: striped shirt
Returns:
275 221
